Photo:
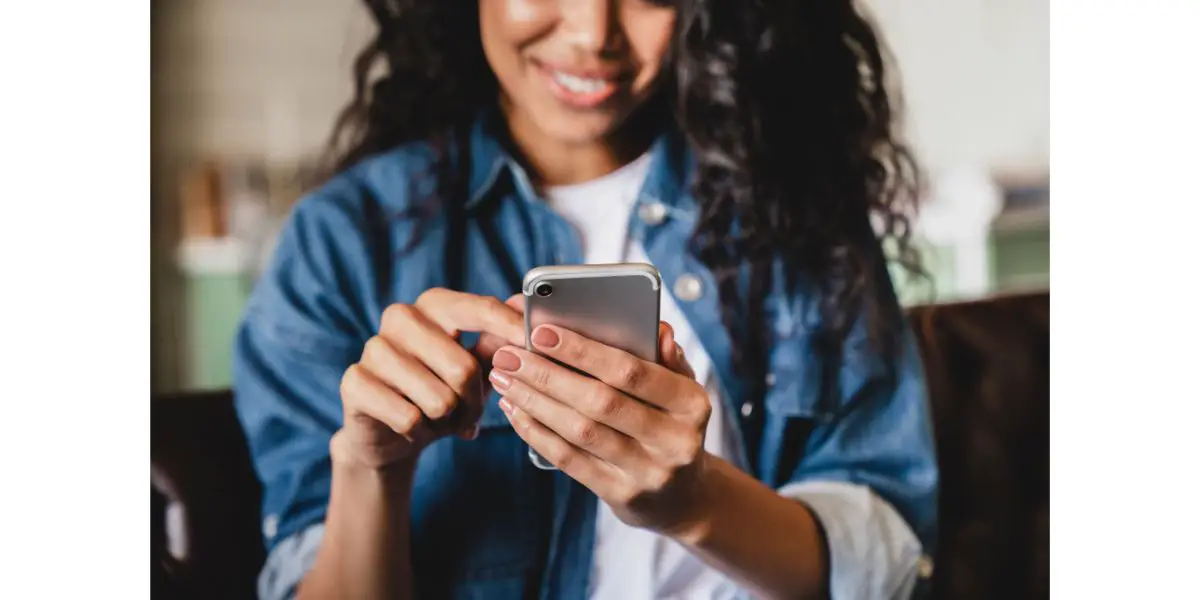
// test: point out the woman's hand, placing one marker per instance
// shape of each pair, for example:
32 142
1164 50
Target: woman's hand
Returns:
634 434
415 383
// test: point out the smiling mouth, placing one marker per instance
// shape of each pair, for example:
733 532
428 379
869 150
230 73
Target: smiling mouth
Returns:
580 89
579 85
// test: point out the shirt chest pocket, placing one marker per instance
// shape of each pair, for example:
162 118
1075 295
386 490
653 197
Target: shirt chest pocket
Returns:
804 382
797 384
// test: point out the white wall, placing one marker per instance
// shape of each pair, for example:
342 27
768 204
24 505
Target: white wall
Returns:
254 78
976 78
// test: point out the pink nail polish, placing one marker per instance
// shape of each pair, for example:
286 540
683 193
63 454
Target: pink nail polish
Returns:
506 407
506 361
499 380
545 337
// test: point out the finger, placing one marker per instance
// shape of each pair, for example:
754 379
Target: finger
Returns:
641 379
581 431
487 346
409 330
489 343
456 312
516 302
593 473
366 395
671 353
408 376
591 397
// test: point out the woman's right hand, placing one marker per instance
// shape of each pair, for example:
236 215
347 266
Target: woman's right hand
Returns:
415 383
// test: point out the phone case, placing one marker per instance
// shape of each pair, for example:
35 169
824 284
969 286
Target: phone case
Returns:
614 304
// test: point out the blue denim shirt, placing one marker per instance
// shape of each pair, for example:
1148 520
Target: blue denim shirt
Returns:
486 522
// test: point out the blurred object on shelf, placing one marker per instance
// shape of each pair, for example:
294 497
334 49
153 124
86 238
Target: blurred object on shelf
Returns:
232 212
958 212
203 203
1026 202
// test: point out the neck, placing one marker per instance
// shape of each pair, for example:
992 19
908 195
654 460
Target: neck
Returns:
553 162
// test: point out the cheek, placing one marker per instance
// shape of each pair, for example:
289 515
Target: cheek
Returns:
507 27
650 41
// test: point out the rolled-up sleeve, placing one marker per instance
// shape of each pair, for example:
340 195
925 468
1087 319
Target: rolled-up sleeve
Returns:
304 325
873 553
870 477
288 562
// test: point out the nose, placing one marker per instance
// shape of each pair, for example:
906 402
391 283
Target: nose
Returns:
590 25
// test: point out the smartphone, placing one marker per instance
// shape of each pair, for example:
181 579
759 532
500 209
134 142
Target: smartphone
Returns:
614 304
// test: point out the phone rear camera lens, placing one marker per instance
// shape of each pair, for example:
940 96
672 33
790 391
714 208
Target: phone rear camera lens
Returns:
544 289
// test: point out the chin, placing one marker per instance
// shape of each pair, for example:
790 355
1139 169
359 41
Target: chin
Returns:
577 129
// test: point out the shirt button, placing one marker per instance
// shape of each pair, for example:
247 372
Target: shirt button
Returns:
924 567
688 288
270 526
653 213
770 380
747 409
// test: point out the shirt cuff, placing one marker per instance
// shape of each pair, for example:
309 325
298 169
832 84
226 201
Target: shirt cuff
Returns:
288 563
873 553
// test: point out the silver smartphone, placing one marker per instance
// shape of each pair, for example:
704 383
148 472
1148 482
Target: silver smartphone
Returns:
614 304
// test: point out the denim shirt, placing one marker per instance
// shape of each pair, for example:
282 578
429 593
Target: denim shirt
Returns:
486 522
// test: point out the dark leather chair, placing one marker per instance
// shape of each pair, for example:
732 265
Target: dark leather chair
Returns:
988 365
988 369
199 459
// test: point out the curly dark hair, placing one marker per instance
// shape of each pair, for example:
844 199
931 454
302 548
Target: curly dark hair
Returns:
785 104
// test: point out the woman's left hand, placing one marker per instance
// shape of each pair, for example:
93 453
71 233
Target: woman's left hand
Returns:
634 434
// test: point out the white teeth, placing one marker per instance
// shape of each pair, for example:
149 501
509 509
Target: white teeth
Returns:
578 85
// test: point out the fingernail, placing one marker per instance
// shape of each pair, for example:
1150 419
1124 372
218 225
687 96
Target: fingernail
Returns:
506 360
506 407
499 380
545 337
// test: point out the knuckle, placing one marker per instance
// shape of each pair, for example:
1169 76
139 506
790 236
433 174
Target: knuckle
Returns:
630 373
541 378
430 295
409 420
524 397
373 350
397 314
585 433
351 381
560 456
495 308
606 403
703 412
441 407
575 352
461 373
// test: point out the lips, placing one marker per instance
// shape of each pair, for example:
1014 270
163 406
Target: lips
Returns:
580 88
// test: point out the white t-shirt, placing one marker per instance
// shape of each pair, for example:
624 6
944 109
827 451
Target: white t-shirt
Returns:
873 552
630 563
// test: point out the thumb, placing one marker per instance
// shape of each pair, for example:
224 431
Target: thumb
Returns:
671 353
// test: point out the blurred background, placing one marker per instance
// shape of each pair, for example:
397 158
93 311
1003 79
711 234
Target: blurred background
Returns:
244 94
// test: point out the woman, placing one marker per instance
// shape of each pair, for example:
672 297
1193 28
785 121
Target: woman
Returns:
783 446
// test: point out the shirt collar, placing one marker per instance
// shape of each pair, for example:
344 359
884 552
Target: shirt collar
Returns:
491 164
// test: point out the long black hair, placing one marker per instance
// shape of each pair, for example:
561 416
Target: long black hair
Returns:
785 104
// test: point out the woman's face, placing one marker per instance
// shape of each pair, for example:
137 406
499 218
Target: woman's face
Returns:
574 69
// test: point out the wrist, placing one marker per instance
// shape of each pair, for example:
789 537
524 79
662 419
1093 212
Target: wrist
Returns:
349 465
699 506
